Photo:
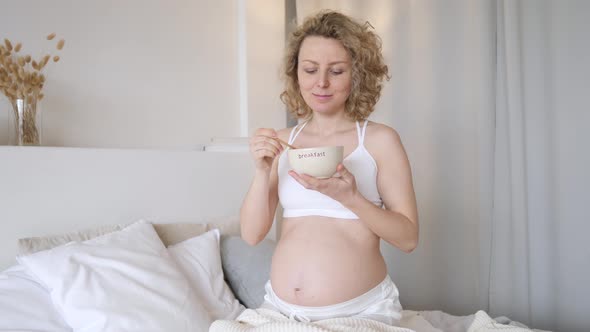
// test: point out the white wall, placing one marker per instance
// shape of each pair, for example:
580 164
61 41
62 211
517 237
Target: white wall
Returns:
148 74
47 190
265 44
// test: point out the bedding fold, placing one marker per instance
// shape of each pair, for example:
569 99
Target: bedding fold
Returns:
261 320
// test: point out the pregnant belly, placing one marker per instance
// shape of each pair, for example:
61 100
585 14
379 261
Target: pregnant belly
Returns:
323 262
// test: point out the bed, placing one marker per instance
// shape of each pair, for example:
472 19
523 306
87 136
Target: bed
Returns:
146 240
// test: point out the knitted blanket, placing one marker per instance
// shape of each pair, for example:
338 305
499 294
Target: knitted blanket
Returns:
261 320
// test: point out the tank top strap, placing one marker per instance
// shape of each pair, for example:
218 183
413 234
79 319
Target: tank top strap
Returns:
358 133
294 134
361 132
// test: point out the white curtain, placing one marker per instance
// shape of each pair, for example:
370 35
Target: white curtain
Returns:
518 155
491 101
539 261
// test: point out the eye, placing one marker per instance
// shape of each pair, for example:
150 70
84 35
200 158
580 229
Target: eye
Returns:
310 70
337 71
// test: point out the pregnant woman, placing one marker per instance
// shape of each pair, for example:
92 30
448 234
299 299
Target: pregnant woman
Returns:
327 262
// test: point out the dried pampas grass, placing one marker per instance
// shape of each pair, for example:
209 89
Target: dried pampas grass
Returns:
21 81
20 75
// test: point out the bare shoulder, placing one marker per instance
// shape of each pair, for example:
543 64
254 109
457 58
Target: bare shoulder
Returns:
384 144
379 135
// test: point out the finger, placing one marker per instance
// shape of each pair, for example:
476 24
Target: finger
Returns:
344 173
309 179
266 151
269 132
261 143
264 142
267 140
299 178
312 182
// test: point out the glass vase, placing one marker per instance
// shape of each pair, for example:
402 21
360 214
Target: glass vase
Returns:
25 130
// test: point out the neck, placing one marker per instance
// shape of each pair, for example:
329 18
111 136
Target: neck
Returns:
329 125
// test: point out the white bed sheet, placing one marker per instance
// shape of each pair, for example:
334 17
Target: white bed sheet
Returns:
25 305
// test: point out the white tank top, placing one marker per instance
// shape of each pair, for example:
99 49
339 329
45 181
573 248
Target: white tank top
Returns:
298 201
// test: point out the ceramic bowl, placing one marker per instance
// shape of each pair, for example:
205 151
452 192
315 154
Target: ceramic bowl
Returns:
320 162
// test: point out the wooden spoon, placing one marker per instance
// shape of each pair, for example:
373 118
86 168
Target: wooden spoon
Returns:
284 143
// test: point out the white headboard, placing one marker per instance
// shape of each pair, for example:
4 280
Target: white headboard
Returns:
54 190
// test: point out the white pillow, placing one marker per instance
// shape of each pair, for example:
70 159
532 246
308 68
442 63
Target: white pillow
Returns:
25 304
121 281
199 259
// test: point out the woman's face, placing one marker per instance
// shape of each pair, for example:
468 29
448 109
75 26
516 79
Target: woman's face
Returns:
325 74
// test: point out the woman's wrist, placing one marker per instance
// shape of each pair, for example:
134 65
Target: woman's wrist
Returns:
262 172
355 201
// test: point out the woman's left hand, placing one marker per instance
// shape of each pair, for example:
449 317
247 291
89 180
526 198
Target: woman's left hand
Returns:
341 187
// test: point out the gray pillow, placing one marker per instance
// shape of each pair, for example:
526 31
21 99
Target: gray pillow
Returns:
246 268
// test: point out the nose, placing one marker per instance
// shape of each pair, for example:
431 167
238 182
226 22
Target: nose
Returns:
323 81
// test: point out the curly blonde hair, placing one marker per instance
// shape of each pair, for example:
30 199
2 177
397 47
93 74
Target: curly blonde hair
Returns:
368 66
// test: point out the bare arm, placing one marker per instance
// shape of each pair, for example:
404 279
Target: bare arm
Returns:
260 203
398 222
259 206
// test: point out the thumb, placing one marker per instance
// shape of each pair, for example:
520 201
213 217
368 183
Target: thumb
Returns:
344 173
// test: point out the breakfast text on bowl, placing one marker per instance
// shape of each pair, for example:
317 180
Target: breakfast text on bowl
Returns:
311 155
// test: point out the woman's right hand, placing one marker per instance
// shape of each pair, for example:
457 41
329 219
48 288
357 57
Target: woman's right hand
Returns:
264 148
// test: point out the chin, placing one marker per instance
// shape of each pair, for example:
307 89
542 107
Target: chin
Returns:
322 107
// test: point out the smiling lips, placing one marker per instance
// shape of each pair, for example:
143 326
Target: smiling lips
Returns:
322 97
